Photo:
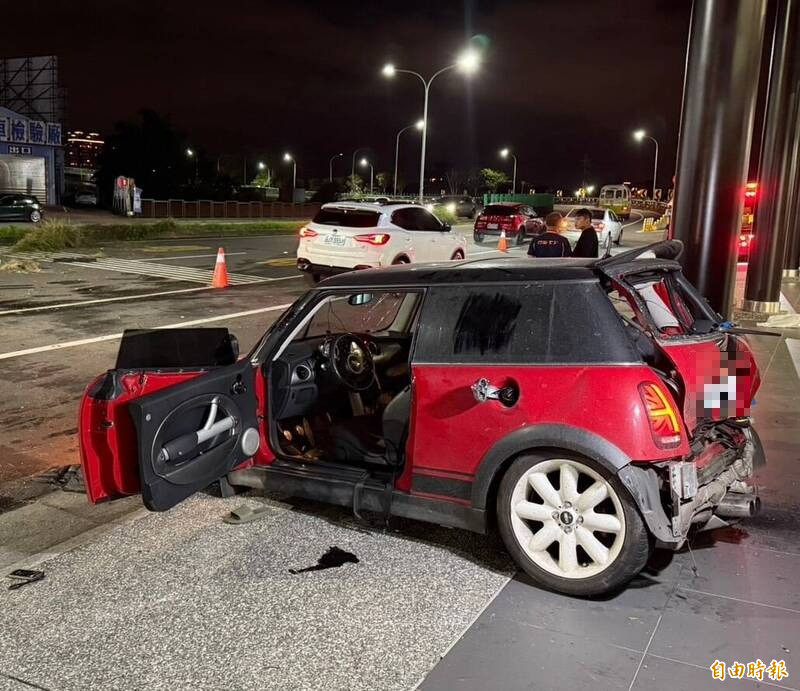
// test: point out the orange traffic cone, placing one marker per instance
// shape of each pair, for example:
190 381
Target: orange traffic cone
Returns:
502 244
220 277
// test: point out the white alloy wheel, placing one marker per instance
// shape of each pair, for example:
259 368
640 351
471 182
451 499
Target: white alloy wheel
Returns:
572 529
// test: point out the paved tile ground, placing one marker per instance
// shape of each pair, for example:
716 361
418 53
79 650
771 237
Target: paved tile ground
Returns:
734 597
182 600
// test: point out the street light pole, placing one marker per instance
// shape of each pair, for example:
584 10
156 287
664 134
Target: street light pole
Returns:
330 166
420 125
365 162
639 135
353 166
505 153
288 157
468 63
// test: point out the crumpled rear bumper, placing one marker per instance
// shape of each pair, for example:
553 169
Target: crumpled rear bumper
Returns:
694 494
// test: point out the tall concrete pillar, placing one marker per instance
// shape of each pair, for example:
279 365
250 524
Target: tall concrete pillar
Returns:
719 98
791 263
777 171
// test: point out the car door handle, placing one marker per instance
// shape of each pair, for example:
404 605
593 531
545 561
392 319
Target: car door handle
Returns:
483 391
178 448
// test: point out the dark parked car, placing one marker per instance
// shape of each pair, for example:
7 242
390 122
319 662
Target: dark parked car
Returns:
590 409
20 207
460 205
516 220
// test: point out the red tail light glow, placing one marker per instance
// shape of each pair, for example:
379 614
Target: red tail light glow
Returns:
374 238
664 424
306 232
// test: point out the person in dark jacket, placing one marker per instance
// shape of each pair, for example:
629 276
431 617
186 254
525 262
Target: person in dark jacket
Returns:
550 243
587 245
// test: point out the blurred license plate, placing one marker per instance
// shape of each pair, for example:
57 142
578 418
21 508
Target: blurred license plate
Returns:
492 226
335 240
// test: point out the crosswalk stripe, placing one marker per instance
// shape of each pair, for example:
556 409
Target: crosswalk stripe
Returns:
179 273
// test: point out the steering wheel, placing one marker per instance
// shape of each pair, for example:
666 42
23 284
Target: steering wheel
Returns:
351 361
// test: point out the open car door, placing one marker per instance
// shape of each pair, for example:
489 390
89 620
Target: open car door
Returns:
176 413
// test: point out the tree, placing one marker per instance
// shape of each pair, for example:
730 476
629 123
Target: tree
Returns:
265 178
354 184
455 181
383 180
493 178
151 151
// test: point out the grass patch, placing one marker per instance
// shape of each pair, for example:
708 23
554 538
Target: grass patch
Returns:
11 234
53 236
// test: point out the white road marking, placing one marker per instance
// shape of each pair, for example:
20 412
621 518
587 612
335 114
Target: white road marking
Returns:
113 337
633 223
192 256
138 296
178 273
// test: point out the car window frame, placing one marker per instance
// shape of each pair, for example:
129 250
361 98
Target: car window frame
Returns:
419 211
287 327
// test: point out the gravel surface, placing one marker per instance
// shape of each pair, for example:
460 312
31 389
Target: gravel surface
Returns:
183 600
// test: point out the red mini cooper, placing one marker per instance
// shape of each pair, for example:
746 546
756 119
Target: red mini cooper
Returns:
589 410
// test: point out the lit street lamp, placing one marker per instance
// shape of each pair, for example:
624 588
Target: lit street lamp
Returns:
468 62
330 166
191 154
353 166
638 135
365 162
420 124
261 165
505 153
288 157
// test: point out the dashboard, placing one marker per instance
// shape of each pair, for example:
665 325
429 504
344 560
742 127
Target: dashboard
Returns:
296 377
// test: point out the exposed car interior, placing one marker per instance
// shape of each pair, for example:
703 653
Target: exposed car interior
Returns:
340 386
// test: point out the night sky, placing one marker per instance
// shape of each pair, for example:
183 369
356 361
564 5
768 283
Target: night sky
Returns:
560 80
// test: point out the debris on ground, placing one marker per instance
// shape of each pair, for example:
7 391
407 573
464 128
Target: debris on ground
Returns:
20 266
22 577
332 559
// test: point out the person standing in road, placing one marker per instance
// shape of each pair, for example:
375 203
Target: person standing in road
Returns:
587 245
550 243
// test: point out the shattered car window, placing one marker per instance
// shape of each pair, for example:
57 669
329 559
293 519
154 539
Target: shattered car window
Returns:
337 315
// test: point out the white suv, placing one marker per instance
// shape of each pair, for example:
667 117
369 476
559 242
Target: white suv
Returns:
353 235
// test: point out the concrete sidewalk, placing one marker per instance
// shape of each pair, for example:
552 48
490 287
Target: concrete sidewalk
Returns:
183 600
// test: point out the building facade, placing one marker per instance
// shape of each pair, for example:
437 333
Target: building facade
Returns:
82 149
31 157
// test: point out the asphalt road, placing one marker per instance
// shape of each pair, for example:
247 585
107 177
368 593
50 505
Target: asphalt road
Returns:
60 328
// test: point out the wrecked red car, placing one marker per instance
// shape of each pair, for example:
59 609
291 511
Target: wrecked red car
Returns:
589 410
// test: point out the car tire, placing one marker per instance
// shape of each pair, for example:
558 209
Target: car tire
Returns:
400 260
35 216
520 239
457 255
478 238
536 534
619 239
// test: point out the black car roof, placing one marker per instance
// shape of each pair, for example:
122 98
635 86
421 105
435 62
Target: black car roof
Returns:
511 269
490 270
